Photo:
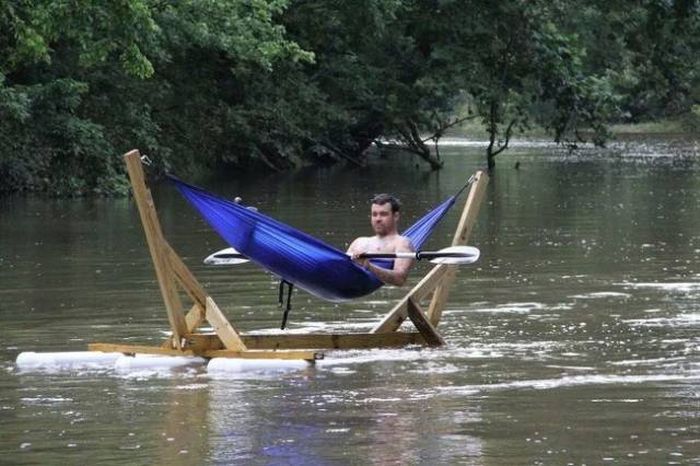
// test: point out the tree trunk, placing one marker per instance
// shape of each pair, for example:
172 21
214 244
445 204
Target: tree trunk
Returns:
491 162
416 145
424 152
496 147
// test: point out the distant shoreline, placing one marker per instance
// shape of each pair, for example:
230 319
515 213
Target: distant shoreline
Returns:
677 126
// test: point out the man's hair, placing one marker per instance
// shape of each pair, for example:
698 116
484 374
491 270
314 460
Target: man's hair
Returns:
383 198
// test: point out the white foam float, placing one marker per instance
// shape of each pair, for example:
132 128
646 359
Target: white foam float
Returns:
72 360
66 360
141 362
239 365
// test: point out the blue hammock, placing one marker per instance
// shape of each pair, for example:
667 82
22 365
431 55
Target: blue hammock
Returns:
294 256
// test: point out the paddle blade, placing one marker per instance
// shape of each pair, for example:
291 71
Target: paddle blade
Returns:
458 255
228 256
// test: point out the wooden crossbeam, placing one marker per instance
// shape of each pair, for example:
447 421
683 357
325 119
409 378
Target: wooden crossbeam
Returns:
185 277
285 341
266 354
430 333
395 317
223 328
195 317
247 354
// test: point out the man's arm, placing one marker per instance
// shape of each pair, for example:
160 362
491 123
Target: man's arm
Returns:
398 275
356 246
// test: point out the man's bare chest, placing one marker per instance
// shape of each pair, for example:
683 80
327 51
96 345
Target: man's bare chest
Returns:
380 245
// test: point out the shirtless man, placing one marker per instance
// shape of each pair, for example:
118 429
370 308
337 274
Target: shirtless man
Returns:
385 218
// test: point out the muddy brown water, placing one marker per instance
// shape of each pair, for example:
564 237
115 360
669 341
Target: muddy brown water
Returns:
574 340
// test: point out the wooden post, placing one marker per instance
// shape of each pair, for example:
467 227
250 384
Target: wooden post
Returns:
157 246
464 231
441 276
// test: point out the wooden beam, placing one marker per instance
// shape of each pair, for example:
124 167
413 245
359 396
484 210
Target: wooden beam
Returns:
462 234
195 317
155 240
185 277
209 341
266 354
256 354
333 341
471 210
223 328
417 316
395 317
142 349
200 342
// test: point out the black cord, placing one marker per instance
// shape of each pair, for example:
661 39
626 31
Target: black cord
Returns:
469 182
288 307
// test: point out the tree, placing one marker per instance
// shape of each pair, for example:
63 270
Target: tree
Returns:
205 83
650 50
81 80
511 62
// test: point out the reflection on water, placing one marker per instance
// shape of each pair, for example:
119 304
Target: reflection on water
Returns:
574 340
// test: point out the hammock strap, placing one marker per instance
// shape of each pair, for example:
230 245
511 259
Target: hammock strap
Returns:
288 307
468 183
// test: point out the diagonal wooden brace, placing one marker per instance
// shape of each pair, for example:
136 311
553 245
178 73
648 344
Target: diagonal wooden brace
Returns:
430 333
394 318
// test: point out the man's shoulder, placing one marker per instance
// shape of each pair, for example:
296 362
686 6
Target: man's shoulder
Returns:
361 239
402 239
403 242
359 242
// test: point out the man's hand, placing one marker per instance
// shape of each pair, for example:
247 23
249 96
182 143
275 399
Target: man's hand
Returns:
361 261
356 249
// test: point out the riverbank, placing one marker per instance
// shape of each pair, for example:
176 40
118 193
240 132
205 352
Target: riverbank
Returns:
680 126
688 125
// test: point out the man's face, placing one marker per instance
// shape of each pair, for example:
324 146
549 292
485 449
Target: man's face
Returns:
383 219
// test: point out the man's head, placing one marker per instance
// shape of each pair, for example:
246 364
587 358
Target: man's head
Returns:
385 214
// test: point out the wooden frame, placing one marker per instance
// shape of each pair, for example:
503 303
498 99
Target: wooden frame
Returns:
228 341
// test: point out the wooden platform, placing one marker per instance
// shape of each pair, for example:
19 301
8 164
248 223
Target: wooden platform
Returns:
175 279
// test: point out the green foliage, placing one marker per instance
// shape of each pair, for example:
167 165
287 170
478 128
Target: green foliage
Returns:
82 81
282 83
647 49
691 120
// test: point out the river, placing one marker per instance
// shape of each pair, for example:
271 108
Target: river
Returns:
574 340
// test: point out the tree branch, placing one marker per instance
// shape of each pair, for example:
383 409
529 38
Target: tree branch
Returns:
341 153
416 145
503 147
438 133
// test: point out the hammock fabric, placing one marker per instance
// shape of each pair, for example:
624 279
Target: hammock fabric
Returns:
292 255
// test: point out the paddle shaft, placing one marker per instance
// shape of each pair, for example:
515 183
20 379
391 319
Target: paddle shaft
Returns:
380 255
230 255
452 255
413 255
